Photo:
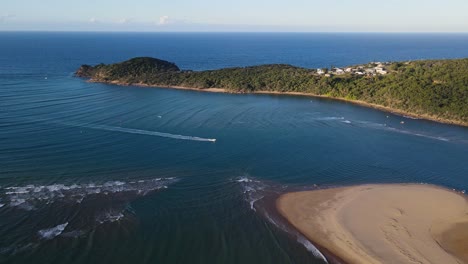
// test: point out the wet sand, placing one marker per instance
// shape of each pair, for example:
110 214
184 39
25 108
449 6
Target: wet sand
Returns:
391 223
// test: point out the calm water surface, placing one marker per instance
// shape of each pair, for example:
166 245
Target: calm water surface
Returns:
95 173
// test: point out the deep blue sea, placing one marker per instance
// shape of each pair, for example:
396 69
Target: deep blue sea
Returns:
97 173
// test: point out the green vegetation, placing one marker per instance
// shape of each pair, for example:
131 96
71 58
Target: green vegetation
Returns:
436 89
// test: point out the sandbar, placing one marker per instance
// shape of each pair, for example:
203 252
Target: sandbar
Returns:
383 223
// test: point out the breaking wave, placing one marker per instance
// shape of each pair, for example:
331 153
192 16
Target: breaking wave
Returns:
110 216
50 233
253 190
260 196
311 248
82 208
29 196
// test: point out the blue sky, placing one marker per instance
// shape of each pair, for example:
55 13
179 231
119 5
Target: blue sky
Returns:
238 15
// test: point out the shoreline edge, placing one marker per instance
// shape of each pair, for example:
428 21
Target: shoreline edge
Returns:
375 223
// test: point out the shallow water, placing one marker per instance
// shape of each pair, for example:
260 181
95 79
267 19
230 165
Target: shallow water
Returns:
95 173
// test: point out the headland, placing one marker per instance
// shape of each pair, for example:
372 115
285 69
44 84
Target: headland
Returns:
431 89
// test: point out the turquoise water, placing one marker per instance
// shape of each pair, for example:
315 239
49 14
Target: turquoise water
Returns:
95 173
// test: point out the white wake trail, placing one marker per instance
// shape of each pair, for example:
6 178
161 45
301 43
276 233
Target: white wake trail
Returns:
128 130
147 132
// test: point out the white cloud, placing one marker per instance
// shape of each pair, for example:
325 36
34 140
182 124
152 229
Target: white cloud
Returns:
125 20
6 17
93 20
164 20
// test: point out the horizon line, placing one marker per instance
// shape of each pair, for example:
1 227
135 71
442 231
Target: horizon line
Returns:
282 32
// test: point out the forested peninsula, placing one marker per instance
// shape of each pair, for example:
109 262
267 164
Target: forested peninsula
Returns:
429 89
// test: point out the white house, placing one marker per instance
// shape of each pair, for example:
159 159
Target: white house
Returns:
339 71
380 70
320 71
383 72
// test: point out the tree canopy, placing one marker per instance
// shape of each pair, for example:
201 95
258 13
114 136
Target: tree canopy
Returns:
437 88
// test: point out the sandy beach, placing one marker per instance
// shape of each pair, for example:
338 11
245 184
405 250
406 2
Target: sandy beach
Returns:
391 223
357 102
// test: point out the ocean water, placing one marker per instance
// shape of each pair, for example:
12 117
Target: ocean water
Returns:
96 173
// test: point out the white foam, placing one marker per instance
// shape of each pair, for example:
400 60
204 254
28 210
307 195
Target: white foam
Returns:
401 131
243 179
114 183
25 197
16 192
251 190
406 132
273 221
252 202
306 243
371 124
346 121
17 202
21 203
410 117
329 118
109 216
50 233
311 248
255 190
55 187
1 205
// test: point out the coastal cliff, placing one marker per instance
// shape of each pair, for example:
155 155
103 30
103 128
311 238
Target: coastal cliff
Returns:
430 89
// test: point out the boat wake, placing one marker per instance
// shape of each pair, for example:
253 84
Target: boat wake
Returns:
329 118
146 132
385 127
401 131
127 130
389 128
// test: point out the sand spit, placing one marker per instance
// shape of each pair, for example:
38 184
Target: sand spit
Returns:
392 223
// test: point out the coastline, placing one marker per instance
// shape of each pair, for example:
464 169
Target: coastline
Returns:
356 102
378 223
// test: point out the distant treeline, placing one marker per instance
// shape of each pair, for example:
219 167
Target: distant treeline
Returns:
433 88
